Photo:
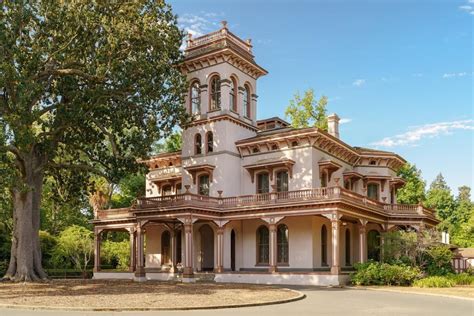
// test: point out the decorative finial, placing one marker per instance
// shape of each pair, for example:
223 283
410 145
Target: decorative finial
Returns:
249 41
224 24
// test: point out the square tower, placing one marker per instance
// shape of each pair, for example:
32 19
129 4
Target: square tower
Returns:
222 99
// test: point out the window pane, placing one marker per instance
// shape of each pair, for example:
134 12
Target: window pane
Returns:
210 142
372 191
282 181
263 245
215 93
195 99
282 244
203 185
263 185
198 145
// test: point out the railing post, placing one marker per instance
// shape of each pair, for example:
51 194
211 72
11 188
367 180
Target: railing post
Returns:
273 194
419 208
220 202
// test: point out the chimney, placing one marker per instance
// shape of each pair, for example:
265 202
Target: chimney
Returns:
333 125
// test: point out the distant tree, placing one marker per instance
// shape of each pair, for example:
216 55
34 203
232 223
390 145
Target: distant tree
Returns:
463 235
129 188
170 144
440 198
462 220
77 244
85 86
306 111
413 191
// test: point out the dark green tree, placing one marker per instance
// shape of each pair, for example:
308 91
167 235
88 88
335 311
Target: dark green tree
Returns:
440 198
413 191
84 87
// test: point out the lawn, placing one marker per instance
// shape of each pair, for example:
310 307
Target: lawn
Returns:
98 294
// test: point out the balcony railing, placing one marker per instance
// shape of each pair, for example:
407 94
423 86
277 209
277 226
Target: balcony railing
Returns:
274 198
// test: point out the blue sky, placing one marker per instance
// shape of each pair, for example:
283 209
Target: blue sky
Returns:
398 72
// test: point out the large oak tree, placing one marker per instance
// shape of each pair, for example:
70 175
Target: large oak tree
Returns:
85 88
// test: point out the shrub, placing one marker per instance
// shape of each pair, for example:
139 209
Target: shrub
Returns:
76 244
116 254
438 260
435 281
48 243
374 273
462 279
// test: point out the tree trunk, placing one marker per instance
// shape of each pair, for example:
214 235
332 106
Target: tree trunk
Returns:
25 258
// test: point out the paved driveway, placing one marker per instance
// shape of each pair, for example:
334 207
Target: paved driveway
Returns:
347 302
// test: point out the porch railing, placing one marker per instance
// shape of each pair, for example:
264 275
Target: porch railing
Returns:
228 203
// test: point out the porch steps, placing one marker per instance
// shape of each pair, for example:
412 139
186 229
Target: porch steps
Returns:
204 277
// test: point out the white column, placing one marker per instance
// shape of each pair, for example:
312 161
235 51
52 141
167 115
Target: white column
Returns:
188 271
220 250
362 242
97 235
273 248
335 266
140 270
132 250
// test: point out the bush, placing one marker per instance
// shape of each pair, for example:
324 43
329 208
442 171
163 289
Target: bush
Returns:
462 279
438 260
75 244
435 281
48 244
375 273
116 254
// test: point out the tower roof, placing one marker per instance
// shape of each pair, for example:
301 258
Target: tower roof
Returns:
221 46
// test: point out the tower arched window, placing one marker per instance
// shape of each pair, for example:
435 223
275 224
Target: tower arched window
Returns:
215 95
209 142
203 184
233 95
282 181
373 191
197 144
263 245
195 94
282 244
324 246
246 99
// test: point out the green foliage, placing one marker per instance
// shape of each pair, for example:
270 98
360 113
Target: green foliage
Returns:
413 191
116 254
438 260
76 243
129 188
400 247
375 273
448 280
48 244
307 112
171 144
440 198
435 281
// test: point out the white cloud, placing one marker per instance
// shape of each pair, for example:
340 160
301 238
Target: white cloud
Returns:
345 120
454 74
468 7
417 133
359 82
200 24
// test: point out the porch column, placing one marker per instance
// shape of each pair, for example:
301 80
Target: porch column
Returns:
273 248
188 246
220 250
140 270
97 237
173 250
362 241
133 247
335 266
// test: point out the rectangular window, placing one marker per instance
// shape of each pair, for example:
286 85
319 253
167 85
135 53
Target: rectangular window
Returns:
263 184
282 181
203 188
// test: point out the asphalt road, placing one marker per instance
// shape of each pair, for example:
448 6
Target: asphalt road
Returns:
347 302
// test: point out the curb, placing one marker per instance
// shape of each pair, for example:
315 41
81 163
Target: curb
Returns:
144 309
411 292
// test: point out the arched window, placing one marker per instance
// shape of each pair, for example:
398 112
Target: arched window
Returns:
209 142
324 179
282 244
263 246
195 94
348 247
215 95
233 95
373 191
263 183
165 248
203 187
197 144
373 245
178 188
166 189
282 181
246 99
324 246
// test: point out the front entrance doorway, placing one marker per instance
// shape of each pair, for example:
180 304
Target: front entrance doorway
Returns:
232 250
207 248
